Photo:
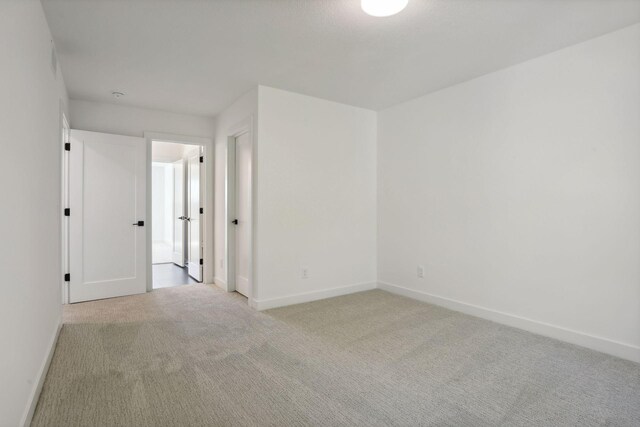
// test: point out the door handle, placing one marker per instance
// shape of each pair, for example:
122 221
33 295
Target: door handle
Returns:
182 217
139 224
235 221
187 218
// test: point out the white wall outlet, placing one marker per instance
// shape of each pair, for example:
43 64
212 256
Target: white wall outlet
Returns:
304 273
420 272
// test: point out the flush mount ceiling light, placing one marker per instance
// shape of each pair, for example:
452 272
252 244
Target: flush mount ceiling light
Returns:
382 8
117 95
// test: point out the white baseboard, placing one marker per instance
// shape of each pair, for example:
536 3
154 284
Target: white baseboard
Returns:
266 304
220 283
42 374
604 345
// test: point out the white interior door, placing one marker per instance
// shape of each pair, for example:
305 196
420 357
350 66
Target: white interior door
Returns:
107 197
179 214
195 246
243 214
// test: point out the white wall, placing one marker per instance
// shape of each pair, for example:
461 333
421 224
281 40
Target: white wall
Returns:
316 198
132 121
519 194
243 112
30 258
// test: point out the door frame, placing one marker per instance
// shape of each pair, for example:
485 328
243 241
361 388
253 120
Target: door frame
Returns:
65 137
244 127
206 199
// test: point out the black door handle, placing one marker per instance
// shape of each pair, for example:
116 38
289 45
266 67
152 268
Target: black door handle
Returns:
139 223
235 221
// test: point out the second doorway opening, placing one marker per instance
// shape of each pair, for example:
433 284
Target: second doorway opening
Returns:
177 212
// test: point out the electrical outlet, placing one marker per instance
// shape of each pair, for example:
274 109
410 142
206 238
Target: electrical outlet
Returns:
420 272
304 273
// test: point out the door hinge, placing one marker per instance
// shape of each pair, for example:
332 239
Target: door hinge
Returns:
67 277
67 146
200 261
201 210
201 159
67 211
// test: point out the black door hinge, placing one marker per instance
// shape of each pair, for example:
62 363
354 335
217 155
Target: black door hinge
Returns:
67 211
201 210
67 146
200 261
67 277
201 159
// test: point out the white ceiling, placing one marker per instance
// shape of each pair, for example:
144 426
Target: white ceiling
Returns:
167 152
198 56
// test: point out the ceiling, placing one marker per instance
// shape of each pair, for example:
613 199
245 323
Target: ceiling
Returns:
198 56
166 152
169 152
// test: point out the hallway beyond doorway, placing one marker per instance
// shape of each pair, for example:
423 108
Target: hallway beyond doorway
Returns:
177 209
168 275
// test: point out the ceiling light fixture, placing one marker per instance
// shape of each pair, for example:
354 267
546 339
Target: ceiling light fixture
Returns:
117 95
380 8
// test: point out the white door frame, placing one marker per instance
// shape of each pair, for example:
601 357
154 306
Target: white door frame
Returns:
65 137
246 126
207 199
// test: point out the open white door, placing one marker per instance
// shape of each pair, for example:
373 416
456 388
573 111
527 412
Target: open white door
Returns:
179 214
195 246
243 213
107 197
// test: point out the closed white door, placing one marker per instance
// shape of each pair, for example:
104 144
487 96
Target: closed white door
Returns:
107 197
243 214
195 246
179 214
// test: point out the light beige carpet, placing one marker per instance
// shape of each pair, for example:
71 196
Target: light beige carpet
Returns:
196 356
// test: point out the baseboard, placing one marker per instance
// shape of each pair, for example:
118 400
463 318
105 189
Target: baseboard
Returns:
604 345
42 374
220 283
266 304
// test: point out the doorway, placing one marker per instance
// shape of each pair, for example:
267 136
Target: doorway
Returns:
176 211
107 223
239 213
